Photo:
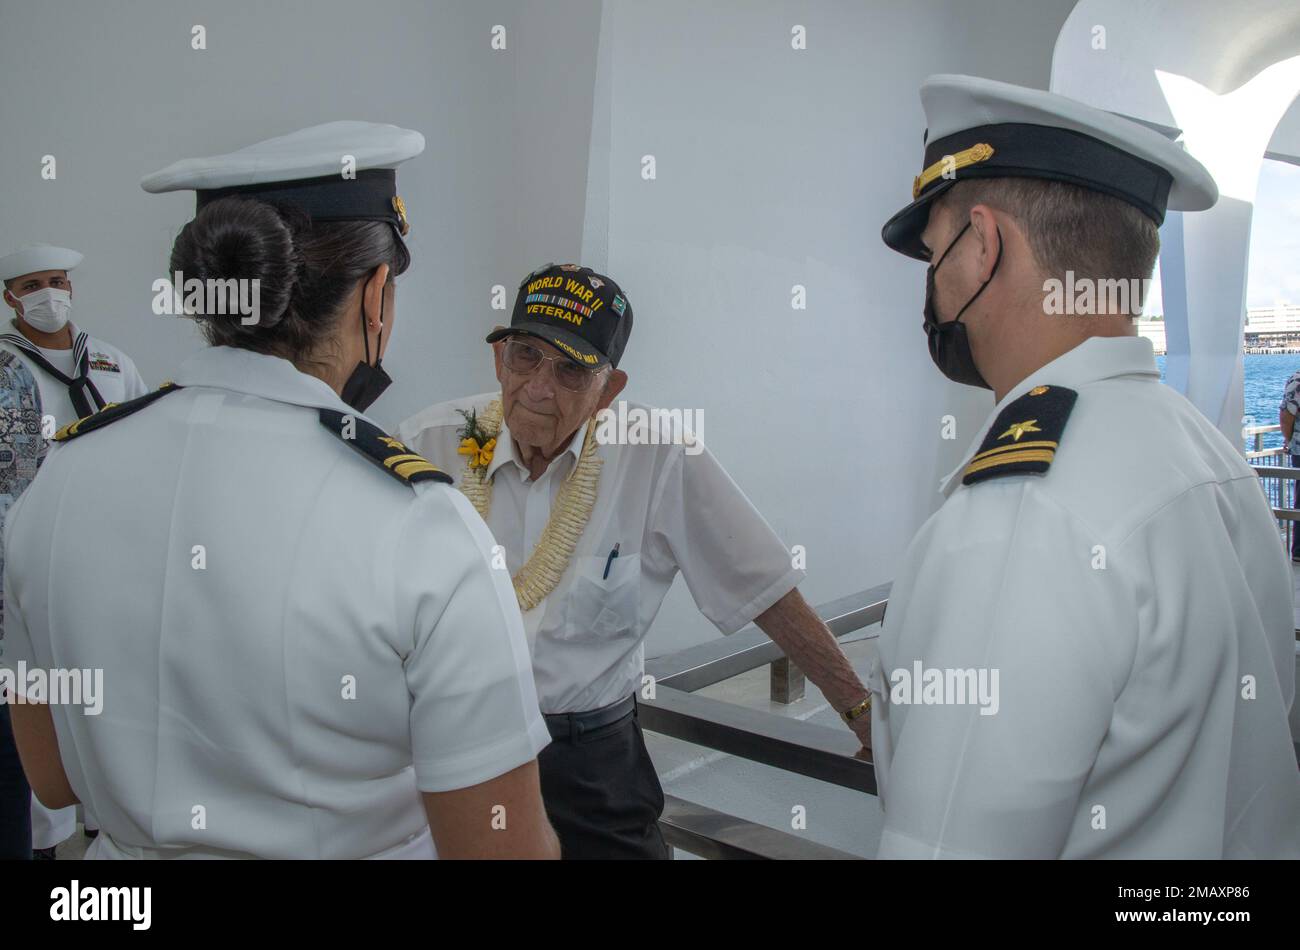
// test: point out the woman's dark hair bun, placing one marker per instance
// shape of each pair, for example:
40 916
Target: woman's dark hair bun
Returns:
241 239
308 272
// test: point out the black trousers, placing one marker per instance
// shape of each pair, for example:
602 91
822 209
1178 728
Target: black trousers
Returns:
15 797
603 795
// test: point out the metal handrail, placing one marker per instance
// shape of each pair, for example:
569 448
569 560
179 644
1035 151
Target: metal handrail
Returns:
1277 471
805 748
717 835
1259 451
719 659
670 707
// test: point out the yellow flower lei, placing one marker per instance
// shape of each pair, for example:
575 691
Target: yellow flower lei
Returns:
569 515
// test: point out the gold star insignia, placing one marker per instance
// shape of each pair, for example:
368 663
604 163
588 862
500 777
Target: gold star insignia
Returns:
1020 428
399 447
1038 390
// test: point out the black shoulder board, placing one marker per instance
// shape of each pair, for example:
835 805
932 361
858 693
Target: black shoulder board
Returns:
1024 437
386 452
111 413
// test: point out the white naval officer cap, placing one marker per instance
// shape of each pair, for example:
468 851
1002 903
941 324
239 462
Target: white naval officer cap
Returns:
981 128
338 171
34 258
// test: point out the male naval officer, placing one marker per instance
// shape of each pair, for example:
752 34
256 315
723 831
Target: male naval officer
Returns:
1104 559
593 534
78 374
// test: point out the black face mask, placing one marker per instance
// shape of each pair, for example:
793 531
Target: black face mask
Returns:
949 345
367 383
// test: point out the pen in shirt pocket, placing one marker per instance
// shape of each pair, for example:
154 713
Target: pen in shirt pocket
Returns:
609 561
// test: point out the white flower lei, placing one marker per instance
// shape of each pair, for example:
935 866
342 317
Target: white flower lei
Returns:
569 515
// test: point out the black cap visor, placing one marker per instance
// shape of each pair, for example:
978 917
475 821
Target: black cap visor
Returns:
1021 150
903 231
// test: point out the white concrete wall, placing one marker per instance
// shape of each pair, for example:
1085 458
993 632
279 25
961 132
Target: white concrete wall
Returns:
778 167
114 91
775 168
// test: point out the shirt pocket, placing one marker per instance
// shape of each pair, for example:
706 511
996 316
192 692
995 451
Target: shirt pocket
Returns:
601 608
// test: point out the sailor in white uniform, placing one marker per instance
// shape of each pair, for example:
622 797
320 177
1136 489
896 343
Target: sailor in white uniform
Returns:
22 447
306 652
1089 648
78 373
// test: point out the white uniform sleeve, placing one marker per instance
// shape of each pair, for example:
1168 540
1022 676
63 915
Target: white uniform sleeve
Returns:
702 523
474 711
15 641
131 378
410 434
1005 586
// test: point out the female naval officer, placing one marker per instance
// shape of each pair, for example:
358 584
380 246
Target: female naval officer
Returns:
305 649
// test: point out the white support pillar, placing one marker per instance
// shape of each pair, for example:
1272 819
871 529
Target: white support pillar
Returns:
1228 134
1224 76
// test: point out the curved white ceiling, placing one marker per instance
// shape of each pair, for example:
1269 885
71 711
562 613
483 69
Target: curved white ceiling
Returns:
1220 45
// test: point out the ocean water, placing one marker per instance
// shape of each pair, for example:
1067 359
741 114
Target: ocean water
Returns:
1263 380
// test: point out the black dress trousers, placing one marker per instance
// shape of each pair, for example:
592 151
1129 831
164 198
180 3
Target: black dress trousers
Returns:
15 797
602 794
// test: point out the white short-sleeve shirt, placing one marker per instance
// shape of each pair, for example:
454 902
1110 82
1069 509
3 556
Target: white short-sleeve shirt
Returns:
293 642
112 371
668 507
1136 604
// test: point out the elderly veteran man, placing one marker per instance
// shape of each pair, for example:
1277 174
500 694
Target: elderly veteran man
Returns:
1104 557
593 535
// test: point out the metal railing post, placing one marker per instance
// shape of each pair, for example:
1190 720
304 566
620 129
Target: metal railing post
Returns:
787 682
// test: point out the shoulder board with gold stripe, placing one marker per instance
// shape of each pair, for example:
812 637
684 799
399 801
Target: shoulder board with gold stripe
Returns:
1024 437
378 446
111 413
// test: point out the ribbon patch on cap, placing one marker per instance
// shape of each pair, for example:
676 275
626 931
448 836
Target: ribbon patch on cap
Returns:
571 300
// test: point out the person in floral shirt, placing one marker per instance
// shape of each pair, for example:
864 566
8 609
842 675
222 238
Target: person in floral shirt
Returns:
22 447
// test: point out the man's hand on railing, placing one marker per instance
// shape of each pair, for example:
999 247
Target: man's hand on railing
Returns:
804 638
862 729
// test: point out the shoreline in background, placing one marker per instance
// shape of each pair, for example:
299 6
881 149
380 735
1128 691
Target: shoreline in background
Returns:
1264 377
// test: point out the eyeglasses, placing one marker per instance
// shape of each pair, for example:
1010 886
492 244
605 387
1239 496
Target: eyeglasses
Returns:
523 359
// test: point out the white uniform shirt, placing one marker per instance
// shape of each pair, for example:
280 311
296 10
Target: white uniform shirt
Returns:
227 688
667 510
117 380
21 449
1123 596
111 370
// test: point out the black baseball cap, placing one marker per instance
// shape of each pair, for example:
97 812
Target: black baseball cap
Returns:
584 315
